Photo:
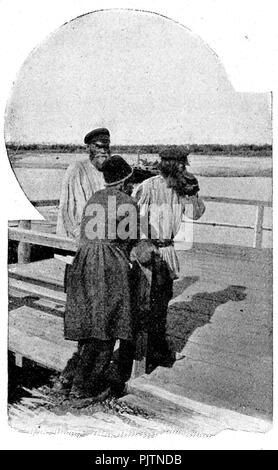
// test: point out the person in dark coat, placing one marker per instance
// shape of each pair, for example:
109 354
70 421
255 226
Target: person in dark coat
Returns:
99 306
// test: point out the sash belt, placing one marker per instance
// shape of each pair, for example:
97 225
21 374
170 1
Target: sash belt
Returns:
163 243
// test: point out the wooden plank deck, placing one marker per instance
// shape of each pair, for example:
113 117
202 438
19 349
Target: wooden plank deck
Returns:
39 336
219 323
50 271
37 301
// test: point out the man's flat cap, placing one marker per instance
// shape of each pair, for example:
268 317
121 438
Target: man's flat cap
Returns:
175 152
101 134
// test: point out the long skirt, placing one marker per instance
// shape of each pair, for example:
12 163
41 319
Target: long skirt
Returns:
98 294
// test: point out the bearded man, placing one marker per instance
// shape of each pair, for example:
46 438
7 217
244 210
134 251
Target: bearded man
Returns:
82 179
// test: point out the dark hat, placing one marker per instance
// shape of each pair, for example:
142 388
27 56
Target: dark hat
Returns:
115 170
101 134
177 153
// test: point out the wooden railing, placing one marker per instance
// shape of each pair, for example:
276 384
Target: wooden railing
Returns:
258 225
26 236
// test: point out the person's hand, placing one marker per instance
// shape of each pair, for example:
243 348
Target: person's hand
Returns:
192 185
143 252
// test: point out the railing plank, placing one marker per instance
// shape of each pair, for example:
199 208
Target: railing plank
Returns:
37 290
41 238
46 202
222 199
231 200
224 224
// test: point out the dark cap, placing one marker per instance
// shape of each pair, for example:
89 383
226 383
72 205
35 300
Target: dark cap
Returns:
178 153
115 170
101 134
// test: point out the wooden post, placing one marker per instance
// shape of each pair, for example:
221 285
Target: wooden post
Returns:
144 278
24 249
18 360
139 362
258 228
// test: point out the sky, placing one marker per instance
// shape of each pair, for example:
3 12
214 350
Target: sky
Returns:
145 77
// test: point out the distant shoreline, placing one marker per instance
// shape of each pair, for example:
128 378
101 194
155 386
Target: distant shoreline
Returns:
251 150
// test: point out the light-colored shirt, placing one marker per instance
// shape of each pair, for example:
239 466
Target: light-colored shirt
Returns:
81 180
163 210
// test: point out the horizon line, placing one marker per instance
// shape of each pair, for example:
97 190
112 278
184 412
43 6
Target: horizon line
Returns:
244 144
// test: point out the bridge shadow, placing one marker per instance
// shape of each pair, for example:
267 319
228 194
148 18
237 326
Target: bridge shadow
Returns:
184 317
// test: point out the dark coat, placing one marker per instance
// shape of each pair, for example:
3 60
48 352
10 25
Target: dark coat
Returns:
98 291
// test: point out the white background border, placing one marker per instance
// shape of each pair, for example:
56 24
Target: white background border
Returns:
244 34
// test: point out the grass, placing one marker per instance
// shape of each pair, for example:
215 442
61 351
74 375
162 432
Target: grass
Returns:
208 149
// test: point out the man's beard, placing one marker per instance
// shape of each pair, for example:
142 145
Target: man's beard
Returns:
97 163
91 156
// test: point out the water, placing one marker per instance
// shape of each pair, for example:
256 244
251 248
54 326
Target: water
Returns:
46 184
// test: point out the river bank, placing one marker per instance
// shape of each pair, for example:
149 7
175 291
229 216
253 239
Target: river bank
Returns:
45 183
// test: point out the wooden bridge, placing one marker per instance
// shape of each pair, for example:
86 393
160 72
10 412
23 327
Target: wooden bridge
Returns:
219 323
